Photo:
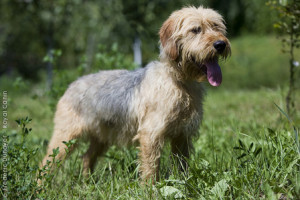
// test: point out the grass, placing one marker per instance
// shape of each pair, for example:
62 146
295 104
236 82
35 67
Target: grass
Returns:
233 121
246 149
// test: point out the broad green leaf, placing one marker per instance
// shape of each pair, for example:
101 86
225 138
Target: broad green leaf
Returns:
169 191
220 188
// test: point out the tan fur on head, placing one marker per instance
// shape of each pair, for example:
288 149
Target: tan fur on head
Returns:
179 43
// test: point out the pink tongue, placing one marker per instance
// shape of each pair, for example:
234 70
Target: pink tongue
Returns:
214 74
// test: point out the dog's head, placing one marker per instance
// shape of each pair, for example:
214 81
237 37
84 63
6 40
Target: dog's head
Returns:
194 38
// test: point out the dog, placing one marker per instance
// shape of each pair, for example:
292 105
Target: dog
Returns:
150 105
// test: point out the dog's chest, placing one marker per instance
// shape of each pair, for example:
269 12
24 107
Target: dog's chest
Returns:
188 113
177 108
165 103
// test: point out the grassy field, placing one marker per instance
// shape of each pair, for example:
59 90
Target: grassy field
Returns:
246 150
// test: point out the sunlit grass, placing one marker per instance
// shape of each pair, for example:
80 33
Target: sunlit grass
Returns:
216 170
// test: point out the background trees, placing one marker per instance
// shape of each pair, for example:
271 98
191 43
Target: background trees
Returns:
31 28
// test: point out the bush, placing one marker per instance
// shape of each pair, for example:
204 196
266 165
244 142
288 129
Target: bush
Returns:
21 172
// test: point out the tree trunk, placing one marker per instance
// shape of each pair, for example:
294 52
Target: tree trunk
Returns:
91 42
49 64
290 100
49 68
137 52
50 44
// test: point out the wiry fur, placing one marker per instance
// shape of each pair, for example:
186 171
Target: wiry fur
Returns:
161 101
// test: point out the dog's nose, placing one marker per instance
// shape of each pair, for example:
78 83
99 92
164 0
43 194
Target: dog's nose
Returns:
220 46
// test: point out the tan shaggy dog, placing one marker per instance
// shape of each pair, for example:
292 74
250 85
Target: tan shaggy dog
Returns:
149 105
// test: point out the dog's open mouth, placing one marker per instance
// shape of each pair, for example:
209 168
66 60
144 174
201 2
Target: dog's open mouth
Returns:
213 72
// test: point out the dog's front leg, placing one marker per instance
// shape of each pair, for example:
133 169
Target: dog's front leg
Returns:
150 150
181 149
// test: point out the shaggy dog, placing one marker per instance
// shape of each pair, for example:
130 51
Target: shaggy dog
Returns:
149 105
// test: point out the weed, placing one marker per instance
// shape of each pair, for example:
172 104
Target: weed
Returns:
23 170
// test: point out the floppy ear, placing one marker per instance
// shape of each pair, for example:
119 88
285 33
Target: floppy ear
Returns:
168 43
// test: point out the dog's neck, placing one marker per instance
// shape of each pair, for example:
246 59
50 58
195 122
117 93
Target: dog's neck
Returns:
181 71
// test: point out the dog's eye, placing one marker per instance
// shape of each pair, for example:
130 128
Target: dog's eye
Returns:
196 30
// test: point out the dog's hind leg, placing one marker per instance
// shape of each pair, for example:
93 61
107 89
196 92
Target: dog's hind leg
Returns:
68 126
95 150
60 136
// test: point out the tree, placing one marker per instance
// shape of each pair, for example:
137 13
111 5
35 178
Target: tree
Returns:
289 26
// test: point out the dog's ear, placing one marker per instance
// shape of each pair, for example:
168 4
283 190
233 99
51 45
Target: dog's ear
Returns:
167 42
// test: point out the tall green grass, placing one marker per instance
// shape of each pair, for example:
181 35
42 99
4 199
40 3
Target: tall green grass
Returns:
244 152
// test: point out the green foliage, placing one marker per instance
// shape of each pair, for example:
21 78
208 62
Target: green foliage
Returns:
289 26
293 126
288 22
267 166
52 56
111 58
20 84
21 166
62 77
